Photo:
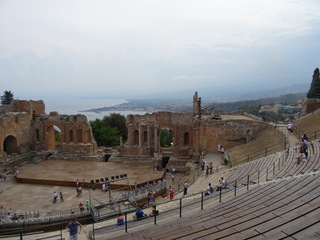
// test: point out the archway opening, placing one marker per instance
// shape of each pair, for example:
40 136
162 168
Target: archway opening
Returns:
166 138
53 134
10 145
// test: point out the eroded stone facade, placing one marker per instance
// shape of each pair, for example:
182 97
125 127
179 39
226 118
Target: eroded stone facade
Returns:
25 127
193 133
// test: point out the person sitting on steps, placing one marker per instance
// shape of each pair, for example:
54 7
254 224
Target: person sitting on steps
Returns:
210 190
222 184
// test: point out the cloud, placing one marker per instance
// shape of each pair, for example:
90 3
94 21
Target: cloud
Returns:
138 47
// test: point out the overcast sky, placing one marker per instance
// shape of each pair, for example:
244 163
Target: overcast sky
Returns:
143 48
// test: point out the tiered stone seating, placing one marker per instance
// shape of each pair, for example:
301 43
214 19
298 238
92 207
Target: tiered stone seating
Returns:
291 168
265 211
290 199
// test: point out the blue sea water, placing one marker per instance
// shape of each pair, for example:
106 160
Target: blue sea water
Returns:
71 106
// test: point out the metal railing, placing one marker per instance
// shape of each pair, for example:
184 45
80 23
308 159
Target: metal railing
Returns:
263 152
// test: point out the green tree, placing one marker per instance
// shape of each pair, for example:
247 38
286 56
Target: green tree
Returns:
104 134
166 137
57 135
117 121
314 91
6 98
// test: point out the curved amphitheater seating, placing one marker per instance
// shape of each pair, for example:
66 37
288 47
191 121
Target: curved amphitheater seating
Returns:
312 164
274 210
287 206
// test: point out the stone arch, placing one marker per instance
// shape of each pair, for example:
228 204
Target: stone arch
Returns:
145 137
186 139
71 135
37 135
167 130
136 137
10 145
79 136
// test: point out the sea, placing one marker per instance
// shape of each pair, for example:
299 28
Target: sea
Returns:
73 106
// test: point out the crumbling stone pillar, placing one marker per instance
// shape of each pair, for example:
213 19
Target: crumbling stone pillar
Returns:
129 134
140 135
148 136
156 138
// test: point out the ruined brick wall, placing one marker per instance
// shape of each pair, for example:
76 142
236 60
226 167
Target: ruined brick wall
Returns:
16 126
310 105
190 135
31 107
76 133
25 127
229 133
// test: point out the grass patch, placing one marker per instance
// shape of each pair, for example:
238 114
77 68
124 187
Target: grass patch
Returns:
311 124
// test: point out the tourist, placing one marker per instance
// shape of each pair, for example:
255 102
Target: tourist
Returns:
154 211
9 216
72 228
79 191
290 127
151 199
210 168
120 219
203 164
61 197
221 149
224 162
138 215
171 193
185 188
87 205
55 196
77 183
4 176
305 136
172 177
16 173
300 157
209 190
222 184
81 206
207 171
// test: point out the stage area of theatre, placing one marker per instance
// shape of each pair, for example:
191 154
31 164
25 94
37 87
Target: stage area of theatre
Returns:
66 173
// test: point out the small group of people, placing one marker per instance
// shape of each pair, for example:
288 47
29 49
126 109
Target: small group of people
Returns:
139 215
104 187
221 185
82 206
3 176
207 168
303 149
55 197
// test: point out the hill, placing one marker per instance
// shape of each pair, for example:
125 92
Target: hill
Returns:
292 99
311 124
180 105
